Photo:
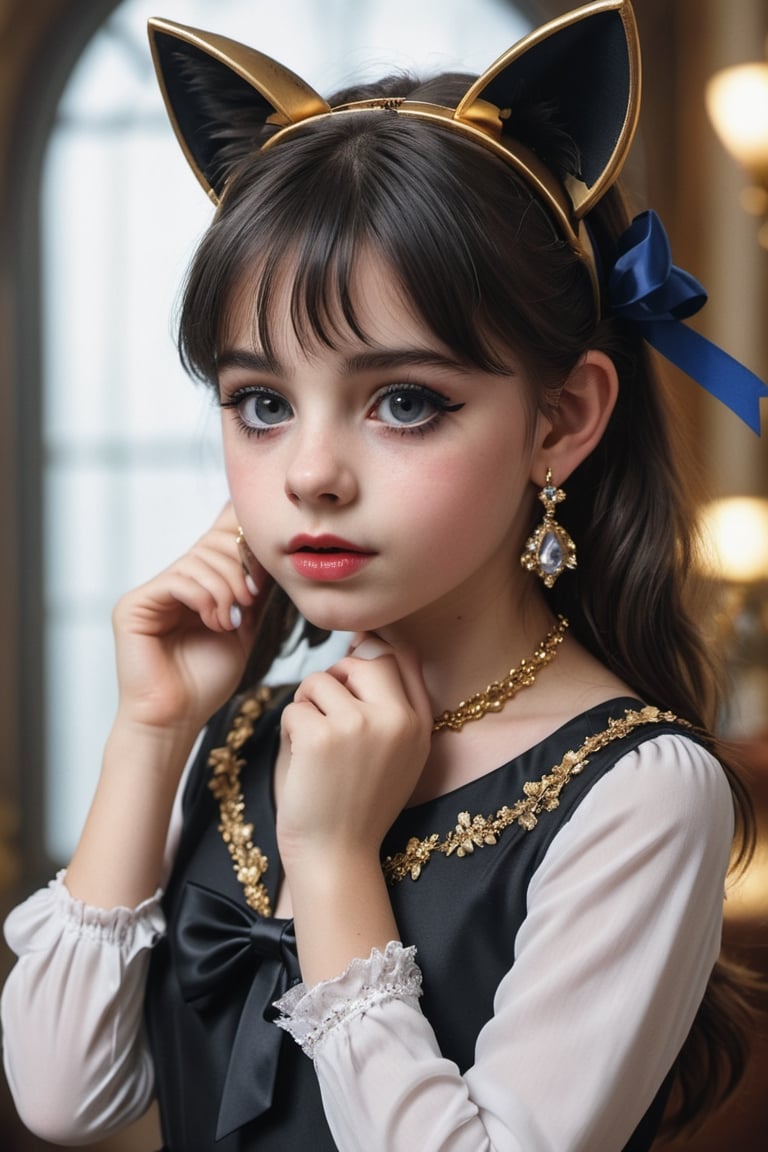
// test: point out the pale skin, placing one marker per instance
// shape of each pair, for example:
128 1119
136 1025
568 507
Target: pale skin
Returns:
429 469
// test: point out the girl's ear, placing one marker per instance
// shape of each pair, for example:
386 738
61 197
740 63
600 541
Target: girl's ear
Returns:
575 428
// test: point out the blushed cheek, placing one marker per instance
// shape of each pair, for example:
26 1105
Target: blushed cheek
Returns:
491 509
263 540
253 499
246 467
450 518
488 486
232 461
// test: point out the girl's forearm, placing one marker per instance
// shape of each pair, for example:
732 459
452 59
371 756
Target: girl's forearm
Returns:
119 858
341 912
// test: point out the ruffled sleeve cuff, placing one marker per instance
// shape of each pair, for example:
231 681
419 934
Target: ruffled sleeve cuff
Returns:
311 1014
52 913
74 1002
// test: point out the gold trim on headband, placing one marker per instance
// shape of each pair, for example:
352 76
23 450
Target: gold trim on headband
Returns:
549 58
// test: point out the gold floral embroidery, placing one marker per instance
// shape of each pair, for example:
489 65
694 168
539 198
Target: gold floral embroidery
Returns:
248 861
470 832
539 796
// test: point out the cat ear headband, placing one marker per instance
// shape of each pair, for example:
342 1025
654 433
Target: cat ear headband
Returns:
586 63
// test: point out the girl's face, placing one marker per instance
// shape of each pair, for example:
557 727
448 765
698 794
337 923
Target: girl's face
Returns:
380 482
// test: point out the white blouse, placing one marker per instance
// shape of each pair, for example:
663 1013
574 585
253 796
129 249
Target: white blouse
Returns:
612 960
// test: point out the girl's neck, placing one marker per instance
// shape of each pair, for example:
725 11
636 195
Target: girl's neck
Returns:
464 656
462 653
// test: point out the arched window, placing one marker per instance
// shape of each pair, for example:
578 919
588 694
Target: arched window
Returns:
130 458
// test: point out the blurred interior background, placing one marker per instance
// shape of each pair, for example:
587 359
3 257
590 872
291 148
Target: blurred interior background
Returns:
108 455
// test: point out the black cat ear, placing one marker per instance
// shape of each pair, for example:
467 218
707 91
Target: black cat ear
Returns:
220 95
586 66
226 100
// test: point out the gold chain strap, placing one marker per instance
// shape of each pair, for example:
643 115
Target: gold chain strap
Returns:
540 796
248 861
470 832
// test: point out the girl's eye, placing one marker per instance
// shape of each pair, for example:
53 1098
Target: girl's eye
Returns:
411 406
259 409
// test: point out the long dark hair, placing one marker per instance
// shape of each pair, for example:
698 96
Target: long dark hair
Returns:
479 259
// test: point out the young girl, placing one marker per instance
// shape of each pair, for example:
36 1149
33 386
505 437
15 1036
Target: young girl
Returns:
486 903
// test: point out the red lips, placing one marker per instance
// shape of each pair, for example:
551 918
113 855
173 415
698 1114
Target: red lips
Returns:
324 543
326 558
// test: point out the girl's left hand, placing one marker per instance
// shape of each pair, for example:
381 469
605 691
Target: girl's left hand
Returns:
359 736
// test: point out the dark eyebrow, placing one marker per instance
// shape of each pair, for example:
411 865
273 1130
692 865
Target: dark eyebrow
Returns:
245 358
375 360
393 358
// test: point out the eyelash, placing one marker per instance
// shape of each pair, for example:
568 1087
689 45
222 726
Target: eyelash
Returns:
441 405
235 402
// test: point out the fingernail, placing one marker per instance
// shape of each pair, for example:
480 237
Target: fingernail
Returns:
235 616
370 649
251 584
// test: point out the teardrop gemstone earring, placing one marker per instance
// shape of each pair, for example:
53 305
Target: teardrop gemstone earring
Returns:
549 550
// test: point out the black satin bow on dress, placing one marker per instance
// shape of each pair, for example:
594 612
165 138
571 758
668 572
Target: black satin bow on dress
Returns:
220 941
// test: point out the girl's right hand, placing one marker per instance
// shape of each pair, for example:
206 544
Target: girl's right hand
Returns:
180 649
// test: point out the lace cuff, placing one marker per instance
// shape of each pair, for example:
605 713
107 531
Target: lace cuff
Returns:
309 1015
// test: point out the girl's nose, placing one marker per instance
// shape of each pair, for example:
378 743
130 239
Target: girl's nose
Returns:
320 471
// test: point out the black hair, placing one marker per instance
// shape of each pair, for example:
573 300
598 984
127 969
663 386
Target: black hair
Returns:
480 259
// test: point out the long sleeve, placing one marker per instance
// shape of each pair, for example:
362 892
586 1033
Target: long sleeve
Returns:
73 1039
74 1047
612 960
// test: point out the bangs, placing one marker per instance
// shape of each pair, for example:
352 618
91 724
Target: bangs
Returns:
312 266
470 253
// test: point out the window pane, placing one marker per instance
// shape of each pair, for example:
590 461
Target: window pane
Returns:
132 465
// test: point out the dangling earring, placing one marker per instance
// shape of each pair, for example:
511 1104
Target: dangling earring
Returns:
550 549
245 555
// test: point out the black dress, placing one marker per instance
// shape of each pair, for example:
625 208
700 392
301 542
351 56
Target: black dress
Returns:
227 1078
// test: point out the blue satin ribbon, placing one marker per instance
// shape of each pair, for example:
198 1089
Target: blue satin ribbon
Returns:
645 286
220 942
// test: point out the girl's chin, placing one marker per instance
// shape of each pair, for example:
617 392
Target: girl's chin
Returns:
340 618
338 610
343 622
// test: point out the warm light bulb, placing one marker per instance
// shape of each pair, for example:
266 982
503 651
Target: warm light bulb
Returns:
735 535
737 101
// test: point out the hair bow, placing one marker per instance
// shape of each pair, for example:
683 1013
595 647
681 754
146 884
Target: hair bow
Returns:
587 62
644 286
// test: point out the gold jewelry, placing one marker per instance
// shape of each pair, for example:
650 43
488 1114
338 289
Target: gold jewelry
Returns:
540 796
601 117
248 861
499 692
470 832
242 550
550 549
246 556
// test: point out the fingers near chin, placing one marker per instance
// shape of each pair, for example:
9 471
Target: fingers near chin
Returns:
401 673
371 649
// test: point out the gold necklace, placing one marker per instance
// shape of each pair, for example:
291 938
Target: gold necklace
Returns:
248 861
499 692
